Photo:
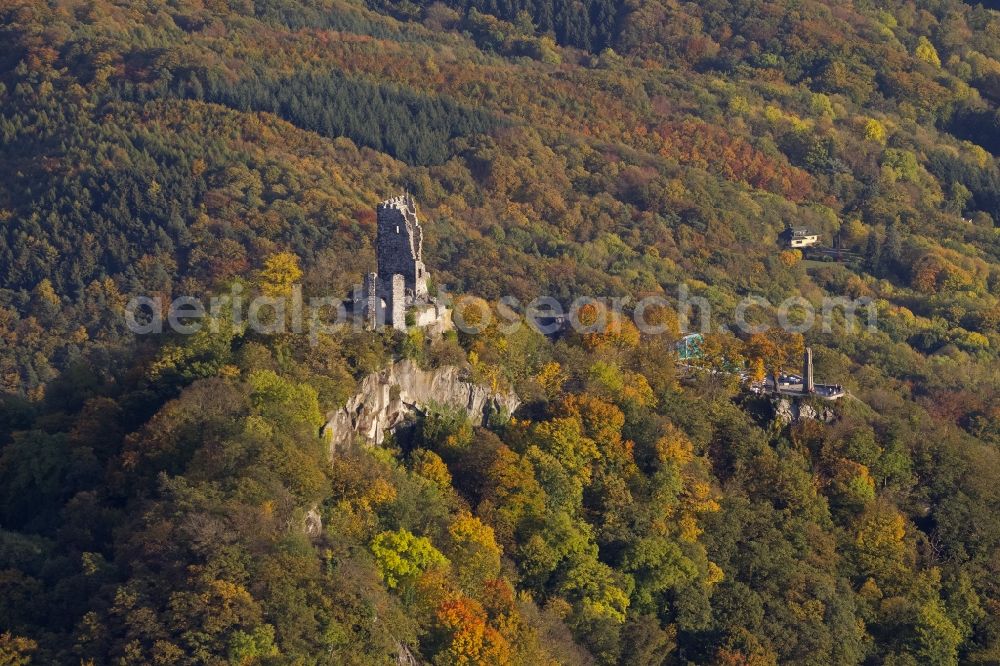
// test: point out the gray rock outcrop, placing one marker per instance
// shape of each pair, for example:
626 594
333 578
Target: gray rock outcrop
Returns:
791 411
312 523
392 397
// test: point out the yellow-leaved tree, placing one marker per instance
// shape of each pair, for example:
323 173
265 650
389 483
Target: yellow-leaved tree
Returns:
281 271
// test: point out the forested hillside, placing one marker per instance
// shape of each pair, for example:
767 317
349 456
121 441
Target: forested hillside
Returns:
169 499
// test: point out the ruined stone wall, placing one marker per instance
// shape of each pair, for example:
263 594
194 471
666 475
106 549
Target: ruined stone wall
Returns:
426 315
372 301
399 245
420 283
397 307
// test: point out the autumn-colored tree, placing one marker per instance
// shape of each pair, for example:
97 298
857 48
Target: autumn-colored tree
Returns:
880 547
430 466
144 155
602 421
776 348
466 638
280 272
401 556
473 552
565 439
551 379
926 52
16 650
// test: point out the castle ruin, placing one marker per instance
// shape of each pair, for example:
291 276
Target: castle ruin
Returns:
398 289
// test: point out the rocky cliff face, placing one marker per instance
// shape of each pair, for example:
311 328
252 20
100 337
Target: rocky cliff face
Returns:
792 411
392 397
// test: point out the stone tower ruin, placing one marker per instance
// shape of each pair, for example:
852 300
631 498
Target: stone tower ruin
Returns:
400 284
399 246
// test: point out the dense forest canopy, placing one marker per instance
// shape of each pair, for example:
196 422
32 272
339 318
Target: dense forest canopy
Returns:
170 500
